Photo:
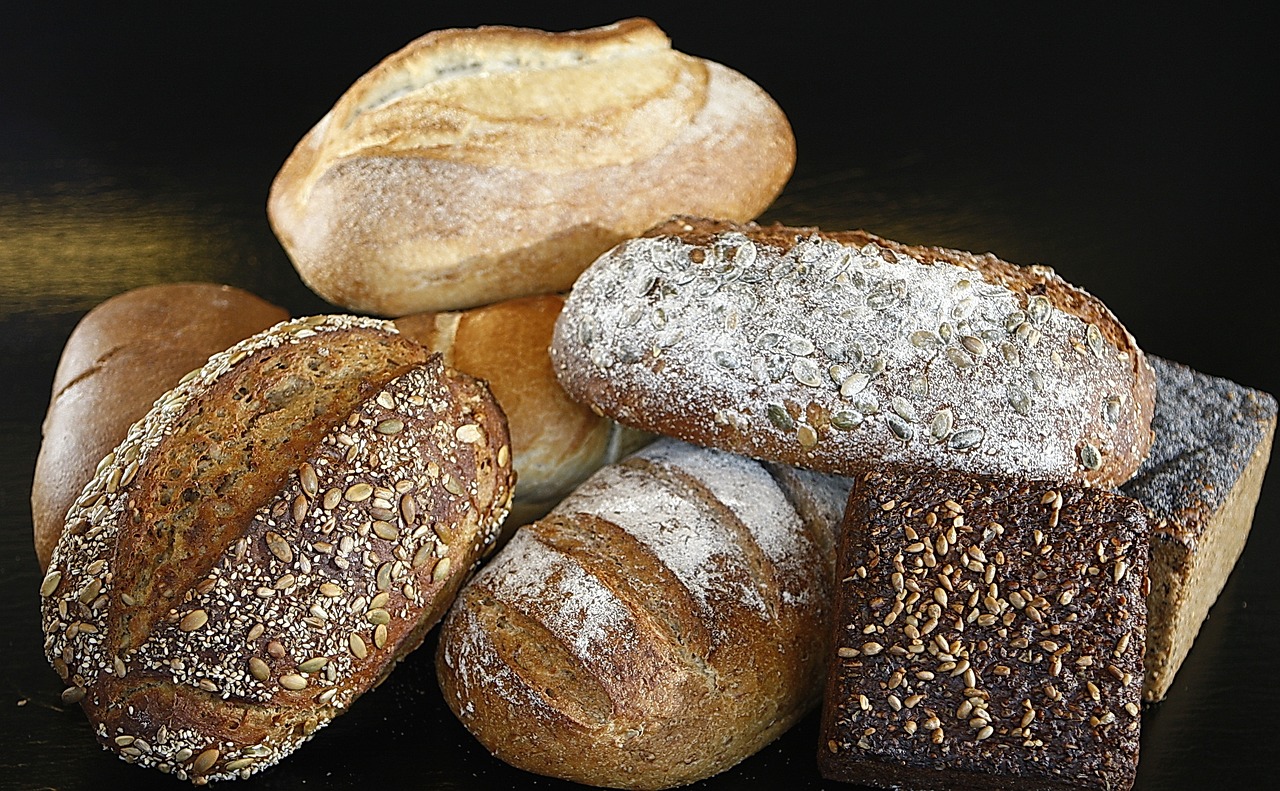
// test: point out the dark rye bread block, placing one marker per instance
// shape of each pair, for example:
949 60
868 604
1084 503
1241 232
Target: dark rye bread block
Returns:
988 633
823 349
268 541
1201 482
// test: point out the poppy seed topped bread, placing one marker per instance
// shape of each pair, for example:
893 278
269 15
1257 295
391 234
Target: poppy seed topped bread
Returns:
268 541
988 633
825 350
1201 481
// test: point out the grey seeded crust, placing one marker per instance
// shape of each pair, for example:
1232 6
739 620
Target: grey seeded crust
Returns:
121 357
269 540
988 633
556 443
1201 482
664 622
476 165
822 350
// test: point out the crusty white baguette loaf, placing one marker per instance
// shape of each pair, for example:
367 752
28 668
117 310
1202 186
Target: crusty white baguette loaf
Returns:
268 541
827 350
121 357
478 165
664 622
556 443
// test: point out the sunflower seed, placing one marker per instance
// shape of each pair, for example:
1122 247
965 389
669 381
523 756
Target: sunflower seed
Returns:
966 438
854 384
806 372
1111 410
293 681
974 345
1090 456
1019 400
925 339
900 428
903 408
779 418
1013 321
807 437
1038 308
725 360
941 424
958 358
846 421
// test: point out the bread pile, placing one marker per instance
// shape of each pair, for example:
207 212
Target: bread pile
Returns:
884 480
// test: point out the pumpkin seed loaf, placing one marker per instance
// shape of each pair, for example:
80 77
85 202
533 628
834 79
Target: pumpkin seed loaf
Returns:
1202 482
121 357
822 350
269 540
988 633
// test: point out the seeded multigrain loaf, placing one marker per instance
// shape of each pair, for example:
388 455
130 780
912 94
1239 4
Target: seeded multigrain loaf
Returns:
988 633
119 359
1201 481
478 165
664 622
824 350
268 541
555 441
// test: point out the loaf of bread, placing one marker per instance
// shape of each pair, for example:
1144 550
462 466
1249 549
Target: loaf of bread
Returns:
826 350
556 443
664 622
477 165
988 634
121 357
1201 482
268 541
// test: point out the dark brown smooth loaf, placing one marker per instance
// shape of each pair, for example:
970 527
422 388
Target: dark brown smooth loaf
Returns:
269 540
121 357
556 443
664 622
829 350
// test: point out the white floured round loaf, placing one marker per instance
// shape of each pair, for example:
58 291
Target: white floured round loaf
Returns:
834 350
268 541
663 623
476 165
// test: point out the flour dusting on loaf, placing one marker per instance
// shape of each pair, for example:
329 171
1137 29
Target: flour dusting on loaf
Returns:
829 350
658 626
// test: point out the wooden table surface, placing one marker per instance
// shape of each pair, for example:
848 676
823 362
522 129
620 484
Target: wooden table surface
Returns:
1133 154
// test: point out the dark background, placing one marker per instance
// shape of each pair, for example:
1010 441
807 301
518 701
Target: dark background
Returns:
1133 153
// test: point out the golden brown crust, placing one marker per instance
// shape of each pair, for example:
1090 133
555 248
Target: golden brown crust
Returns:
479 165
661 624
555 441
118 360
232 578
831 350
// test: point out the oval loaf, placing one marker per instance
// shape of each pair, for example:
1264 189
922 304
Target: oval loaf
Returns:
476 165
121 357
268 541
829 350
664 622
556 443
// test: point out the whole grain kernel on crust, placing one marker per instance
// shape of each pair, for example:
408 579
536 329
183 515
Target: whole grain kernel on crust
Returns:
988 634
476 165
312 598
820 350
